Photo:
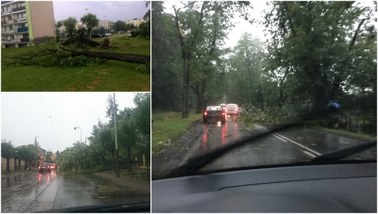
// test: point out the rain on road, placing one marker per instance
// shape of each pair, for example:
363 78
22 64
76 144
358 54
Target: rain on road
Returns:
288 146
30 191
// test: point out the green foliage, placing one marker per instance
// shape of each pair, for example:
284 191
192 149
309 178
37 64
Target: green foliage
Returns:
135 32
119 26
133 140
144 29
7 149
90 20
316 58
167 81
70 26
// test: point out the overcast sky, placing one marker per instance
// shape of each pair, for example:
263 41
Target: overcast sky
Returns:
53 115
104 10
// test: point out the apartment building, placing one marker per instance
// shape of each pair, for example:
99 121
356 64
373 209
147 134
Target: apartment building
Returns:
23 21
108 25
135 22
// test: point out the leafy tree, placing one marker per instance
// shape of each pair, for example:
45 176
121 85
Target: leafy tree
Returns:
49 156
119 26
91 21
166 73
70 25
245 78
191 20
7 151
316 55
144 29
29 153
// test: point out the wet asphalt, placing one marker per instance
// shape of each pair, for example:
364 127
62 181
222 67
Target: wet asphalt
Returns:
50 192
285 147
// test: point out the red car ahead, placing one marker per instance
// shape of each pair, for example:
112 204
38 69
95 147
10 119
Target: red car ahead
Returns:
214 114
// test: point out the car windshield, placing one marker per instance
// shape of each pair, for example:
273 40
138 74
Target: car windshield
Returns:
71 152
298 80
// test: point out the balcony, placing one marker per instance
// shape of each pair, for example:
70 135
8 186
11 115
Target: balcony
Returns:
18 9
8 32
6 12
22 29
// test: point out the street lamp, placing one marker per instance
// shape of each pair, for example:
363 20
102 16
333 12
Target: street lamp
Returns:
35 141
81 134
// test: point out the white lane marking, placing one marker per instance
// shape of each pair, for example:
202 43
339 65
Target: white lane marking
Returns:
308 151
280 138
300 145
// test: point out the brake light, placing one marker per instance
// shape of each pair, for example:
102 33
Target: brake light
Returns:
205 113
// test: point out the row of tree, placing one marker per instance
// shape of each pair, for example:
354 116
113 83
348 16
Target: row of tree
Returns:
91 22
133 134
316 52
30 153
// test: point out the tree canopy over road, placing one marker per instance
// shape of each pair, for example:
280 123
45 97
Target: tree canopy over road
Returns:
315 53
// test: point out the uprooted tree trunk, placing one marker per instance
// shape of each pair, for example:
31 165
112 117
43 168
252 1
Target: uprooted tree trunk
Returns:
130 58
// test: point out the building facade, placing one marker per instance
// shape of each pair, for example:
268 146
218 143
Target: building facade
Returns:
108 25
23 21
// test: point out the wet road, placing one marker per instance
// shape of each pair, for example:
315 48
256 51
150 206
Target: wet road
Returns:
289 146
52 191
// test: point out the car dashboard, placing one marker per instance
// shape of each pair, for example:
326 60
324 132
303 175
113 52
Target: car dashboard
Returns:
348 187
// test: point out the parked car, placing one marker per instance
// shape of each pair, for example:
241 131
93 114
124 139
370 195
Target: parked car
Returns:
232 109
214 114
44 168
97 36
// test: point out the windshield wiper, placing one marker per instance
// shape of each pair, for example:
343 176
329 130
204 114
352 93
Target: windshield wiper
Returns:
343 153
193 165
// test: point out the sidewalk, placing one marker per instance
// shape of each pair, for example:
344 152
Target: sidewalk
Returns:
138 180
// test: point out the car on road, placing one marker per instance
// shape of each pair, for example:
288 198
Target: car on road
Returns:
214 114
223 105
44 168
52 166
232 109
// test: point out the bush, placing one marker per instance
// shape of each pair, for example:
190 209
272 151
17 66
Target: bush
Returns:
135 33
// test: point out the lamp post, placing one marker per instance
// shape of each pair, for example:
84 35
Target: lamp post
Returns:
35 141
81 133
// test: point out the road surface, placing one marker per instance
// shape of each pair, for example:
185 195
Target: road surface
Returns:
35 192
288 146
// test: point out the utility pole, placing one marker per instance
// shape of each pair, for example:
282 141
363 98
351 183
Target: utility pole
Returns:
115 135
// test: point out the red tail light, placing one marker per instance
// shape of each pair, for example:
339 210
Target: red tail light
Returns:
205 113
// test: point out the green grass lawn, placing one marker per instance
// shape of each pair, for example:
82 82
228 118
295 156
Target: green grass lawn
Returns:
109 76
169 125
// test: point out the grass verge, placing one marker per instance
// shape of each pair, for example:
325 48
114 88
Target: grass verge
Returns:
167 126
109 76
358 136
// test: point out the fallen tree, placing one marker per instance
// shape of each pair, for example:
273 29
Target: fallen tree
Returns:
130 58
